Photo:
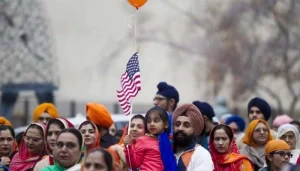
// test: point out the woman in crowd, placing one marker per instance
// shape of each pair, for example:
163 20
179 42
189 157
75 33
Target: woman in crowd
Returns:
256 137
53 128
152 151
224 152
31 150
68 151
98 160
7 144
278 155
137 129
90 134
289 134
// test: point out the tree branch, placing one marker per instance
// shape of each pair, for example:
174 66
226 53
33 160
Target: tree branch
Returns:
273 95
285 31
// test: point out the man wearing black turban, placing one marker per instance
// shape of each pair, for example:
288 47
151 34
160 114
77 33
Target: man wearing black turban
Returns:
167 97
258 109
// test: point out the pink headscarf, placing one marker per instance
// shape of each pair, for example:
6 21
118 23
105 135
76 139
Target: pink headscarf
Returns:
282 119
66 123
22 160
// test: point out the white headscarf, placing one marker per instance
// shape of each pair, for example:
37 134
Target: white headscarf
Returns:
286 128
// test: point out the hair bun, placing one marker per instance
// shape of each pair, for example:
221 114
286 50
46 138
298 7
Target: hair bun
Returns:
162 85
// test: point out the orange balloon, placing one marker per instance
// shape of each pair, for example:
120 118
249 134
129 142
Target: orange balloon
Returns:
137 3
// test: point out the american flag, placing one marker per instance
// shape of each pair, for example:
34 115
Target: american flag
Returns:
130 83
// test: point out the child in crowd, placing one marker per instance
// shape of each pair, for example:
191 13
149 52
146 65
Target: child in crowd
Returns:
153 151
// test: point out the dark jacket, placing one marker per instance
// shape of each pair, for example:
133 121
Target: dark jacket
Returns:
108 140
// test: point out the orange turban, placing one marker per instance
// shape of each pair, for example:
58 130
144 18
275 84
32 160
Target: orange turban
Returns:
249 132
275 145
45 108
4 121
99 114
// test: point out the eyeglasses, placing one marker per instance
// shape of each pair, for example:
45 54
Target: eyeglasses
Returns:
283 154
259 130
69 145
44 119
159 99
34 140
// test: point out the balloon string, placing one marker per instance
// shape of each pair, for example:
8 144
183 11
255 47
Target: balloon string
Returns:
135 27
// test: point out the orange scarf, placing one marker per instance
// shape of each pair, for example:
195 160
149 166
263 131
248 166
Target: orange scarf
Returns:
249 132
96 143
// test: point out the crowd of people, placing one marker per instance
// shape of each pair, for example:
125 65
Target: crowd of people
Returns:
169 137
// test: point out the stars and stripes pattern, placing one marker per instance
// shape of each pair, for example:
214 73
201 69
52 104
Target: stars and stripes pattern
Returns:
130 83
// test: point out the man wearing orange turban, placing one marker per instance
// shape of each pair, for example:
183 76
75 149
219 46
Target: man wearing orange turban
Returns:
4 121
44 112
100 116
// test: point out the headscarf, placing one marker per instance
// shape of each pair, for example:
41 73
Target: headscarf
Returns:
229 161
99 114
67 124
45 108
4 121
57 166
248 139
96 143
22 159
195 117
282 119
263 106
275 145
287 128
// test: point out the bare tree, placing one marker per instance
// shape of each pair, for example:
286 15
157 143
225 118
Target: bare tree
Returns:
254 43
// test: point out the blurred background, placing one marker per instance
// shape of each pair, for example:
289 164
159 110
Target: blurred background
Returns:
71 52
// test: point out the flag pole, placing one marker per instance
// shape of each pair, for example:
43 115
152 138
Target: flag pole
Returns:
128 133
130 115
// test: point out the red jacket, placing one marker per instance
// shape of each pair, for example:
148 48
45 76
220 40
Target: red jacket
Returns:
144 155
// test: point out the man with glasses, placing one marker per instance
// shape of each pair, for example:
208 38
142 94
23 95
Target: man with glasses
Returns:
44 112
167 97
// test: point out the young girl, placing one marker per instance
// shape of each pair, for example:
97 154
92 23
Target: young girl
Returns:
152 151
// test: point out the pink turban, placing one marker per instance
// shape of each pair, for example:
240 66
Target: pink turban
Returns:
282 119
